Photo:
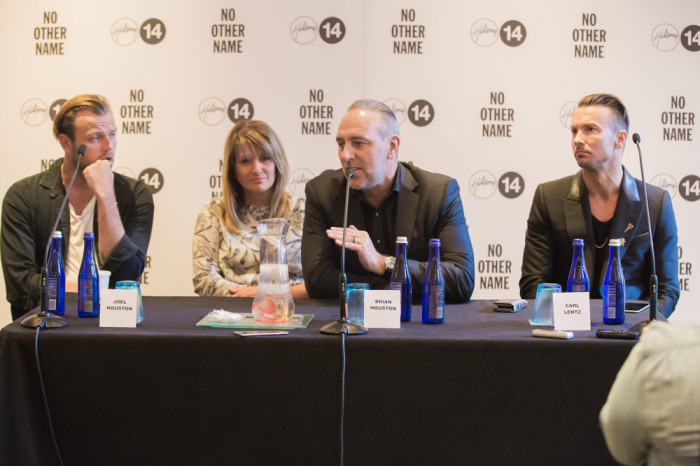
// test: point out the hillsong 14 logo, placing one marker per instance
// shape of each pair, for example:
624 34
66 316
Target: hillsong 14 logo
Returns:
482 184
125 31
484 33
420 112
35 111
304 30
665 37
213 111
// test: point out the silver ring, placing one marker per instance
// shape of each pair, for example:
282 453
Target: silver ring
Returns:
353 240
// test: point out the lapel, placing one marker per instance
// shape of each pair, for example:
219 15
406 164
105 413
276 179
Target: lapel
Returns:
577 224
628 212
407 207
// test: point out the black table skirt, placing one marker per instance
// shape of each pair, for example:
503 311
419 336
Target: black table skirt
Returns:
478 389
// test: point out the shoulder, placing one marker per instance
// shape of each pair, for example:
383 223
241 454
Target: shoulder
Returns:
124 185
28 188
25 184
328 181
212 208
665 337
560 186
655 193
426 178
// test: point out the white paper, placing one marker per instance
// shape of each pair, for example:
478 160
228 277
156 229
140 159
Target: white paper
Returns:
119 308
383 309
572 311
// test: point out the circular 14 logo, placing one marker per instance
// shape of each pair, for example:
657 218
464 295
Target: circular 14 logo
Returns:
421 113
240 109
153 179
690 188
511 185
153 31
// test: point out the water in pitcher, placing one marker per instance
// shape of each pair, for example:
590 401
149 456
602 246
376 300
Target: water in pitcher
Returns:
273 302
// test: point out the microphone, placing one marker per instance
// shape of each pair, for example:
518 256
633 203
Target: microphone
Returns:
653 279
45 319
343 325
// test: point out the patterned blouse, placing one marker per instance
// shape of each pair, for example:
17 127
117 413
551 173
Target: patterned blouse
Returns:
223 260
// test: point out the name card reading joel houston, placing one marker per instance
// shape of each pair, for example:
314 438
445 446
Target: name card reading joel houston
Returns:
119 308
572 311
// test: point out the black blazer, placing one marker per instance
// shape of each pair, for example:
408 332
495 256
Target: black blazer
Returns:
558 217
429 206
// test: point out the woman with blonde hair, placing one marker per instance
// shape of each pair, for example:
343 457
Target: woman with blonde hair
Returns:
226 245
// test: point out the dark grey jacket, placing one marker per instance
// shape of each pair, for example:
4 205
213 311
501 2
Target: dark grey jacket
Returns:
29 211
429 206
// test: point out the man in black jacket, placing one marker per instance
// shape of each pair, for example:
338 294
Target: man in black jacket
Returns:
601 202
118 209
387 199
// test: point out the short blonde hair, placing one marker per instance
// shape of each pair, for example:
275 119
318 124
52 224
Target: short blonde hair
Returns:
63 122
245 135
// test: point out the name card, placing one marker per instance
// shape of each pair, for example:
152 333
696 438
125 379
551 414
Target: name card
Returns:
571 311
119 308
383 309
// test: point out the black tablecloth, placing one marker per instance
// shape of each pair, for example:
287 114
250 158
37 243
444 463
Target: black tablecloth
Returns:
478 389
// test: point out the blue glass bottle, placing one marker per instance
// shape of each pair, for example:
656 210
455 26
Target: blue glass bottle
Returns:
578 276
88 281
433 287
614 287
56 277
401 279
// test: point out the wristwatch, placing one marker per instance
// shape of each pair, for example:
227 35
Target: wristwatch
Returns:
389 263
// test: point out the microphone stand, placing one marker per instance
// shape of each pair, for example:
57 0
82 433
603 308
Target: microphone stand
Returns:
653 279
44 318
343 325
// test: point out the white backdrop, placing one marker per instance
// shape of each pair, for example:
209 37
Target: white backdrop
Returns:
484 92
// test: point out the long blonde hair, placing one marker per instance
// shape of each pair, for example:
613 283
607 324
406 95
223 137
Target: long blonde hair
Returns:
245 135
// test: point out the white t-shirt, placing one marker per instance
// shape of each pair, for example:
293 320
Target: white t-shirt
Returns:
79 225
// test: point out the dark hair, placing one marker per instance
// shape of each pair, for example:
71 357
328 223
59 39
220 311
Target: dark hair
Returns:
612 102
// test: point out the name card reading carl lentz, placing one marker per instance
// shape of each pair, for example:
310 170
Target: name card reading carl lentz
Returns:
572 311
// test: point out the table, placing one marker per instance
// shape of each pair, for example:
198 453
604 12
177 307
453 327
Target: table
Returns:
478 389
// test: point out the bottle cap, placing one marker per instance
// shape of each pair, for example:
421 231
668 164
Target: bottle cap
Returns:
401 239
434 241
57 234
578 242
615 242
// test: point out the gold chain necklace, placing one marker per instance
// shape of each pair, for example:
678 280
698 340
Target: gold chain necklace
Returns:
602 245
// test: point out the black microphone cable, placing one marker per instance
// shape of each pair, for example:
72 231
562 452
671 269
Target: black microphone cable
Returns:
342 398
43 392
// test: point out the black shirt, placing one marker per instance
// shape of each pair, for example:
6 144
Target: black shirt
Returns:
381 222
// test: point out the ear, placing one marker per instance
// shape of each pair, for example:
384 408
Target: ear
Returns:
620 139
66 143
394 143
